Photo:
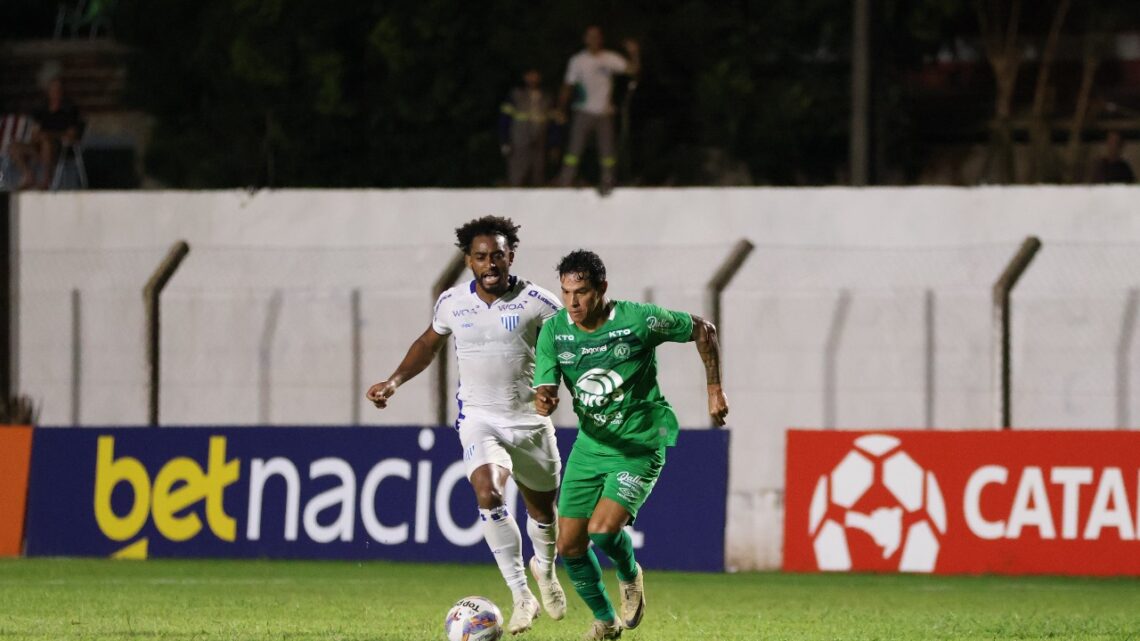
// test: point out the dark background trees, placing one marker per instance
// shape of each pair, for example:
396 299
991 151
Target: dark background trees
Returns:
342 93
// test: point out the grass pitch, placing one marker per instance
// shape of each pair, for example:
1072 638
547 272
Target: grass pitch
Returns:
54 599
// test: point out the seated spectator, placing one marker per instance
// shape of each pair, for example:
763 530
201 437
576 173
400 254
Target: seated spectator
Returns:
57 123
1113 168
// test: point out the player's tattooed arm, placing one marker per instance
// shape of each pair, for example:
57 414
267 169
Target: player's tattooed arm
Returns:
419 356
708 346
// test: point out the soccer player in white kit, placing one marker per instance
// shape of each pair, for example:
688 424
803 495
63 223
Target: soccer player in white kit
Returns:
495 319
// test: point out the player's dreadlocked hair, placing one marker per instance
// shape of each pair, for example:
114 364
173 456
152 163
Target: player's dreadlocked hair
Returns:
487 226
586 264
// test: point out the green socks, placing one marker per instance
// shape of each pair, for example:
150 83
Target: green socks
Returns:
619 548
586 575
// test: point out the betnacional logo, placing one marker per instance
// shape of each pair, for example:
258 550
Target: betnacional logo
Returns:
179 485
877 509
128 499
299 492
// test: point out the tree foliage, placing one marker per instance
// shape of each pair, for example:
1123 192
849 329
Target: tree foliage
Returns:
339 93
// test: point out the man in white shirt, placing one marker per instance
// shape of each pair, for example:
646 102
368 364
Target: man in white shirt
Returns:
495 319
589 78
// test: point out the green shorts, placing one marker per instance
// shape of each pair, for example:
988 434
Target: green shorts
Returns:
624 478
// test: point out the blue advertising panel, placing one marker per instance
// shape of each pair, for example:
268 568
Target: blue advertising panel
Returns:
395 493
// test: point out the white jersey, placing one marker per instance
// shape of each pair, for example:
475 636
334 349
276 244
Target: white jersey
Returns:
592 76
495 348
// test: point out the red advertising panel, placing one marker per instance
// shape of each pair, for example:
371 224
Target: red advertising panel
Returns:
951 502
15 452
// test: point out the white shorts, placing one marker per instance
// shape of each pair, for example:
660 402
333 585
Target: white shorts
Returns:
529 452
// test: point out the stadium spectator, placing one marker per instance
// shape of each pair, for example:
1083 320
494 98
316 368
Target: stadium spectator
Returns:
57 123
495 318
589 79
524 122
1113 168
608 349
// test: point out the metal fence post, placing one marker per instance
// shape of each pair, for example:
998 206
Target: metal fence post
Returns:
1001 294
720 280
151 293
1123 352
76 356
448 276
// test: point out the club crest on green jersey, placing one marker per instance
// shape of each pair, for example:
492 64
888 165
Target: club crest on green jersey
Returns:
599 387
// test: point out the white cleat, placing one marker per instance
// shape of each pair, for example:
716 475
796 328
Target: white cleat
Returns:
633 600
523 614
600 631
553 596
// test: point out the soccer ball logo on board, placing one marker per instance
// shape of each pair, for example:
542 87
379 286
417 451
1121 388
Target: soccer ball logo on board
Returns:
877 510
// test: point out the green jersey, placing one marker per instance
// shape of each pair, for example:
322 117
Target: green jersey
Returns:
612 374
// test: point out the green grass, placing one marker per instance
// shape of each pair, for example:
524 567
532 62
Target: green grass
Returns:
54 599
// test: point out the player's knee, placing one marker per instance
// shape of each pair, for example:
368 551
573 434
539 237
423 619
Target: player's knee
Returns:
541 514
488 497
572 547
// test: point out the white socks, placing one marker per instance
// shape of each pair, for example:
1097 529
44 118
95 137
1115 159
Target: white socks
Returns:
505 541
543 537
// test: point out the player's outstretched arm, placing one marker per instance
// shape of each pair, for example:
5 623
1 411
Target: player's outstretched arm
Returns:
708 346
419 356
546 399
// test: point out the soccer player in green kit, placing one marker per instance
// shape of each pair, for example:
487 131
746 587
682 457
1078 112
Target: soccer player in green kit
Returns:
605 352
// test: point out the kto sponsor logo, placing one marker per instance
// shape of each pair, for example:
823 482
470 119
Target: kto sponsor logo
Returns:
620 332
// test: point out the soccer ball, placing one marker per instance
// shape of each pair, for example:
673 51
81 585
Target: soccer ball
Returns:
878 510
473 618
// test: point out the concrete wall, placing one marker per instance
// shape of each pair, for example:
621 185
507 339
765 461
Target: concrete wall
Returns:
858 308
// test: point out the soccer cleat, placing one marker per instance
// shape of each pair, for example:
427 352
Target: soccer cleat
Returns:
600 630
523 614
633 599
553 596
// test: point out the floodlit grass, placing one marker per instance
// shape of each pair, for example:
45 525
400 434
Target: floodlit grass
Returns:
54 599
